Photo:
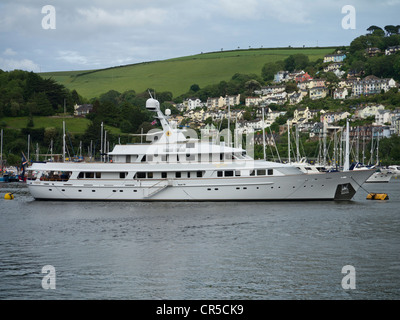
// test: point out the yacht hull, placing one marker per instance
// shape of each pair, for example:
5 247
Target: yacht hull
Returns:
323 186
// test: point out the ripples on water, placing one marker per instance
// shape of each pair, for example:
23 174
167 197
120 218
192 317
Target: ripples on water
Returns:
223 250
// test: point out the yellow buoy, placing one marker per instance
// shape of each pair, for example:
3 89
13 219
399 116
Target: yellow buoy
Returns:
377 196
9 196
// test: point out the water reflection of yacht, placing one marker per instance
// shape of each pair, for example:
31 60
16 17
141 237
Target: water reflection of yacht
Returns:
179 168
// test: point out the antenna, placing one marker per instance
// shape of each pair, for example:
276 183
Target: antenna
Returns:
150 94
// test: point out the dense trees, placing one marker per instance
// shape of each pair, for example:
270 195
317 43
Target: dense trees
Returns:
379 64
23 93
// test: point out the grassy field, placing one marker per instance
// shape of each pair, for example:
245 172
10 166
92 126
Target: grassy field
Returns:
178 74
72 125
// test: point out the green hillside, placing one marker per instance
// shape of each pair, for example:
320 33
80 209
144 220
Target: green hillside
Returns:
73 125
178 74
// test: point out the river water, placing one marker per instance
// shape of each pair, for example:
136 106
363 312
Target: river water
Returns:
206 250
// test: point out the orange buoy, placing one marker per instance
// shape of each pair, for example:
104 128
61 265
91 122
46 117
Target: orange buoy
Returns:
377 196
9 196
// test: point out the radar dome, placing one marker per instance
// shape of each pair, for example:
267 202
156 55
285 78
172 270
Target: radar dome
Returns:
152 104
167 112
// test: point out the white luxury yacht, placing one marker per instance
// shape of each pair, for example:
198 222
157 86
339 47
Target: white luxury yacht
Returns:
174 167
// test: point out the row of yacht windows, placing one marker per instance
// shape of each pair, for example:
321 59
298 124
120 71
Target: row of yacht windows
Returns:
177 174
180 157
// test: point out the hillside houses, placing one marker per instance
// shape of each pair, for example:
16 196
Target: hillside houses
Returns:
267 96
371 85
303 115
198 117
368 86
333 66
218 103
192 103
372 51
285 76
266 90
340 93
289 89
332 117
384 117
318 92
392 50
364 112
295 97
337 57
302 76
257 124
82 109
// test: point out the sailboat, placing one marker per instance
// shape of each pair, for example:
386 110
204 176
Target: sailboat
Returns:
381 175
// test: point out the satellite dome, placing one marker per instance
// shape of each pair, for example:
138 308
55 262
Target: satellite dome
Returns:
167 112
152 104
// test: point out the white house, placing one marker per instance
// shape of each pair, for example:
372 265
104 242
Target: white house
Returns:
371 85
270 89
192 103
331 117
253 101
338 57
217 103
392 50
382 117
254 124
340 93
82 109
368 111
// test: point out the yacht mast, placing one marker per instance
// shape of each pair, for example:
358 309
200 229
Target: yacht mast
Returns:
346 165
101 142
263 133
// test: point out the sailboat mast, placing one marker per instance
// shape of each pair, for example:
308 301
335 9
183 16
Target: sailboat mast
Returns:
377 149
324 142
297 144
346 165
63 141
288 131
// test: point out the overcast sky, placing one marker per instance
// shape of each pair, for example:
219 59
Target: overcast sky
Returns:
100 34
